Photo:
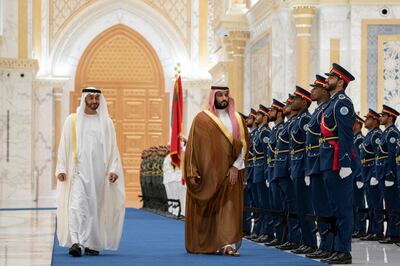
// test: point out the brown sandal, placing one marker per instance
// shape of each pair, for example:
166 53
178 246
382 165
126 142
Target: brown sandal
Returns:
229 251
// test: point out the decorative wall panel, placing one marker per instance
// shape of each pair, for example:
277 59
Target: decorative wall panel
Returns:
373 32
177 12
389 71
260 72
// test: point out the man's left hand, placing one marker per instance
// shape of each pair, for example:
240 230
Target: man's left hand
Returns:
112 177
233 175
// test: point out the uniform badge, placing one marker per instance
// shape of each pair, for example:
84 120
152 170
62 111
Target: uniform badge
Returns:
265 139
392 140
344 110
305 127
377 141
342 97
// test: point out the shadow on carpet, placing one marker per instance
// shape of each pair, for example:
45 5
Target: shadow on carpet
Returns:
150 239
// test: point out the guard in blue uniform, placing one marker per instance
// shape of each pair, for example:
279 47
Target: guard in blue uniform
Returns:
246 198
249 201
260 177
373 189
282 173
297 147
336 155
322 209
359 229
386 173
256 180
277 209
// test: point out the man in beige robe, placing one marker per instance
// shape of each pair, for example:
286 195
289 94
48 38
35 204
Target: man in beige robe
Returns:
214 168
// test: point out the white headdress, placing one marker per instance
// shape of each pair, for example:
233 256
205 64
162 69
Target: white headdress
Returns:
104 118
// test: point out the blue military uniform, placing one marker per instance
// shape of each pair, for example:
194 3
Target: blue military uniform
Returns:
386 173
336 155
279 220
297 149
248 199
264 135
261 191
322 209
359 188
282 174
373 191
256 180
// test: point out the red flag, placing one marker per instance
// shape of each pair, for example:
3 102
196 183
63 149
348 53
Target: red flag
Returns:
176 123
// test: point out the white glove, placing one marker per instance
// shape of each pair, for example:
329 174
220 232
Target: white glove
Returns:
359 184
389 183
307 180
267 183
345 172
373 181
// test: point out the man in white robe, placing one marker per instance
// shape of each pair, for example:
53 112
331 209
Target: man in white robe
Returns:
173 185
91 193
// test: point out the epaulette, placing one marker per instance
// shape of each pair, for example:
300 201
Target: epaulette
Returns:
345 97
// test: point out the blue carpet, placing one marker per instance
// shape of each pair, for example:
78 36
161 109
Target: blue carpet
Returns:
150 239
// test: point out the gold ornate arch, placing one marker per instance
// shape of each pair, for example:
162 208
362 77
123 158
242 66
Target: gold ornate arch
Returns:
121 63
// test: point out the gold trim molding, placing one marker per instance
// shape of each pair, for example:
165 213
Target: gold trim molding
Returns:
23 29
58 83
13 63
334 51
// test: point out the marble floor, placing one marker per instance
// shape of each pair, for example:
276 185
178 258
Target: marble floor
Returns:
26 238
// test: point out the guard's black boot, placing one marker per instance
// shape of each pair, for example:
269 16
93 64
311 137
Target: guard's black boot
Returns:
339 258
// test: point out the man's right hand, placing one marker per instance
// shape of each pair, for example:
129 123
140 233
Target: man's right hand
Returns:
62 177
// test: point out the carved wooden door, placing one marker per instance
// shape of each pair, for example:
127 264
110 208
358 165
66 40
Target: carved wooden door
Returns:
122 64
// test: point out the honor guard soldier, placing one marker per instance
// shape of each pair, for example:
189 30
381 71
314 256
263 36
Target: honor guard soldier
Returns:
279 218
250 167
313 176
297 147
386 172
336 160
282 173
256 178
247 201
260 177
358 186
373 190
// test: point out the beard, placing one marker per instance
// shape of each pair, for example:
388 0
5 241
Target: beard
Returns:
221 105
331 87
92 106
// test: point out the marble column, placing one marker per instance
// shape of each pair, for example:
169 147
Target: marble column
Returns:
236 66
16 129
48 124
303 17
57 98
230 71
195 96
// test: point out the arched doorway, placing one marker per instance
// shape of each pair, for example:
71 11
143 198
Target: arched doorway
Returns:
121 63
